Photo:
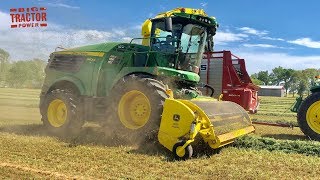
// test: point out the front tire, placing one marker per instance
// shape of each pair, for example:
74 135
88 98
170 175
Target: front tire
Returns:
138 105
309 116
60 113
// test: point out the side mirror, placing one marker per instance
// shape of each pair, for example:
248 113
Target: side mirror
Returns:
168 24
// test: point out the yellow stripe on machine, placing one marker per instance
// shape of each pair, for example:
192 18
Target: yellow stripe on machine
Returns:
85 53
228 138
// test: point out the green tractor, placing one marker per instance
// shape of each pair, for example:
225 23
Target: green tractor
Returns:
309 112
131 86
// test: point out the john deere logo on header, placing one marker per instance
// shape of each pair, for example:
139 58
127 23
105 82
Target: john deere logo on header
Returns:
28 17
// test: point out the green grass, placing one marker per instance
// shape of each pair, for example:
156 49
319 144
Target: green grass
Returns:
275 109
19 106
28 152
271 144
52 158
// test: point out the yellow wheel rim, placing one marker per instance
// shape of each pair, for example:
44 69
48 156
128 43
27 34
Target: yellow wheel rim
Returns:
134 109
57 113
180 151
313 117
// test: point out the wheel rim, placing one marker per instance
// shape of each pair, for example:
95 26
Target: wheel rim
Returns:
180 151
134 109
313 117
57 113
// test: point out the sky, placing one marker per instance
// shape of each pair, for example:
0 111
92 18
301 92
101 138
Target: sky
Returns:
266 34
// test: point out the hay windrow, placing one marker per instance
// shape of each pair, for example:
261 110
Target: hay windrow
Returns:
309 148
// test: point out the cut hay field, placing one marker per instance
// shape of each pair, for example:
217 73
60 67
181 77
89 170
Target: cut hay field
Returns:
27 152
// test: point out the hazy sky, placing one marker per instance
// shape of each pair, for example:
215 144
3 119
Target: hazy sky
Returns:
265 33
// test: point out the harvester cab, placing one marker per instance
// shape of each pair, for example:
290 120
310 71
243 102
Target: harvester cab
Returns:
184 33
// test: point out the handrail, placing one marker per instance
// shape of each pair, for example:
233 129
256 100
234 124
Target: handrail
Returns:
60 47
151 38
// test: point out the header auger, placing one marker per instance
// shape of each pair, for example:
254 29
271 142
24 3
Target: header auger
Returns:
147 90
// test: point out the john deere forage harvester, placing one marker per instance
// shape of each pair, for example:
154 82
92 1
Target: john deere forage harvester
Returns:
148 90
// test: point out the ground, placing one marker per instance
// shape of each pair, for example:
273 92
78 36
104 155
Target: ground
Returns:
27 151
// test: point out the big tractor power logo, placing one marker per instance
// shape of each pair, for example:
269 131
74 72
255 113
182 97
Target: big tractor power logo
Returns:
28 17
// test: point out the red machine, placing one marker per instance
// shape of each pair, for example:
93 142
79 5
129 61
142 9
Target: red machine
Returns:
227 75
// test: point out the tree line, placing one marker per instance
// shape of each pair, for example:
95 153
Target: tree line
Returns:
21 74
293 81
30 74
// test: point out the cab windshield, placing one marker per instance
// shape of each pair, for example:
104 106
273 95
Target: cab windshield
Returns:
187 41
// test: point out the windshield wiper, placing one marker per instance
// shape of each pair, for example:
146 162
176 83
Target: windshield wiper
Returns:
189 45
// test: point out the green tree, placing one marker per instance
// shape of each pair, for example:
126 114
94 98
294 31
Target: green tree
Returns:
309 75
303 86
280 74
38 74
255 80
4 64
28 74
287 78
264 77
18 74
277 75
297 82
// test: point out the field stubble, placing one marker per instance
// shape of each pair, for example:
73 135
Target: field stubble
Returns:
27 150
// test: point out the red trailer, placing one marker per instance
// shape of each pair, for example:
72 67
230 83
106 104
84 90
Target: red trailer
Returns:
227 75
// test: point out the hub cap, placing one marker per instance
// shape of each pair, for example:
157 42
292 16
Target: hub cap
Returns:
134 109
57 113
313 117
180 151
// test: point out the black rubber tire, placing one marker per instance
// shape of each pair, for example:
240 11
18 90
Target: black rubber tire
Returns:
301 116
155 92
73 123
188 151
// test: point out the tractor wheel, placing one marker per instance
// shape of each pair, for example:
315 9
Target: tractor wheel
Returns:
184 154
138 104
309 116
60 113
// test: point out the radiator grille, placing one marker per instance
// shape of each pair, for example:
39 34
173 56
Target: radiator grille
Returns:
67 63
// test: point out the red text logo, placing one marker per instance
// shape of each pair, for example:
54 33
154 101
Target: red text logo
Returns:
28 17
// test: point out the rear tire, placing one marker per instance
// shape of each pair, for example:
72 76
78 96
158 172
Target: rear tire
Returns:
137 107
309 116
60 113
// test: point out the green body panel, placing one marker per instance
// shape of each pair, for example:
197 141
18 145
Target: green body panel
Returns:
189 76
296 105
110 77
83 79
104 64
76 81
